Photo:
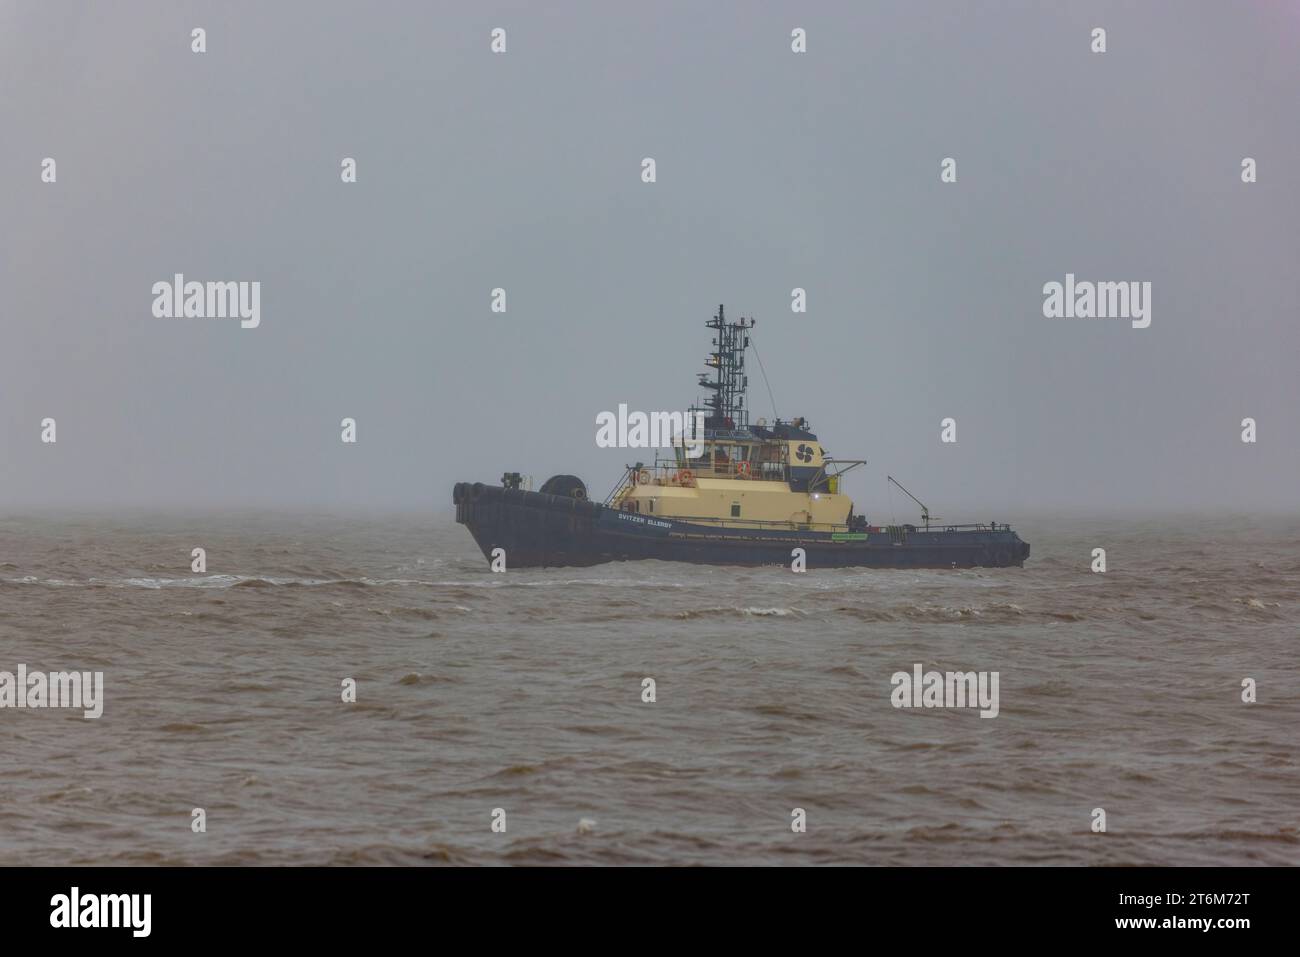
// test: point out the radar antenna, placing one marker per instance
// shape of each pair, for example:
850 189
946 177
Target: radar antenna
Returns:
726 406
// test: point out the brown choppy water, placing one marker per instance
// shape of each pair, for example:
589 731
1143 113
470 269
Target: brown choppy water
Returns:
523 691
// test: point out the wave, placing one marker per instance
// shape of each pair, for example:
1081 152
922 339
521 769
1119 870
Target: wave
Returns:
222 582
267 581
691 614
417 678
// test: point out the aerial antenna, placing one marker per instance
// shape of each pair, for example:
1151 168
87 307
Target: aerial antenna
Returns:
764 371
727 362
925 511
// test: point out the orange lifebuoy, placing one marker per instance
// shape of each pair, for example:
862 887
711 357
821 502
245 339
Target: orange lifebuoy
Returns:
685 477
742 469
643 477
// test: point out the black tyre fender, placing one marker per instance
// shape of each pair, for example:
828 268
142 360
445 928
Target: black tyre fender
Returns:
569 486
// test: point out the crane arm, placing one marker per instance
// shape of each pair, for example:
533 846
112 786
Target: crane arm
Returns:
925 511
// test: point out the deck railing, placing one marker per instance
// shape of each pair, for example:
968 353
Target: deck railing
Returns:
897 531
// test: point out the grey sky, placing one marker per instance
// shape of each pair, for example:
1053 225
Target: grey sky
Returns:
522 170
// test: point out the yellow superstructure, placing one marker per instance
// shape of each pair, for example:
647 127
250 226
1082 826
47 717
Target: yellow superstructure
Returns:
741 474
739 481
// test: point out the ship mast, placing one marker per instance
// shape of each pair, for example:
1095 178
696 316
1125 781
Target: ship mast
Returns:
726 406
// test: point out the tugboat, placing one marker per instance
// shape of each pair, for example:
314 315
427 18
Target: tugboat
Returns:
738 494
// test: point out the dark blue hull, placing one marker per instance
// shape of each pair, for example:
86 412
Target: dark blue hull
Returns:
538 530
